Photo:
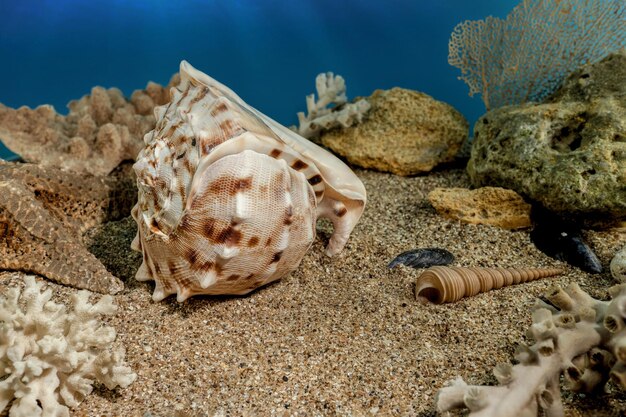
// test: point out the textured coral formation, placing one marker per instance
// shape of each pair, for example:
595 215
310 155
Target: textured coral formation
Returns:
101 130
43 214
50 357
446 284
493 206
576 335
527 56
406 132
331 90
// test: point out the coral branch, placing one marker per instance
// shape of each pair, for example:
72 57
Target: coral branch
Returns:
331 90
101 130
49 359
576 335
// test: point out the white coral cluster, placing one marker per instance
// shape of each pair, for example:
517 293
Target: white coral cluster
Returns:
331 90
49 358
576 335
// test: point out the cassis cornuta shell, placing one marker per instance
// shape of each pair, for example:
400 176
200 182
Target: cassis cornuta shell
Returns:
229 198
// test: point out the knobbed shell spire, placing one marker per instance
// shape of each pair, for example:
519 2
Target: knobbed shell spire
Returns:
229 198
444 284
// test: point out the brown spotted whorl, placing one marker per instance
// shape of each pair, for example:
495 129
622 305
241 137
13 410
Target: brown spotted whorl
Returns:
228 199
444 284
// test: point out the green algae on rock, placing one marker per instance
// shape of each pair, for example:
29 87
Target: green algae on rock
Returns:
568 153
405 132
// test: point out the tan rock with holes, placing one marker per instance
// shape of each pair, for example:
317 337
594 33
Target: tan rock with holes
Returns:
405 132
493 206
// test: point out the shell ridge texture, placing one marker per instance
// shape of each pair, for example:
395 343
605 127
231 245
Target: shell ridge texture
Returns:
228 198
443 284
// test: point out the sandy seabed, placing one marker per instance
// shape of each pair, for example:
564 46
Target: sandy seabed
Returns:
339 336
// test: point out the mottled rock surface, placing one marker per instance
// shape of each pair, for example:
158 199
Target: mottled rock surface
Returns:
493 206
568 153
405 132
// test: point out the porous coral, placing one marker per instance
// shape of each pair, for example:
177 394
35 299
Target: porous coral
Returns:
101 130
44 213
331 90
527 56
49 358
576 335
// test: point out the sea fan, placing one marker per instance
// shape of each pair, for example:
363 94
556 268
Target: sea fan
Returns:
526 56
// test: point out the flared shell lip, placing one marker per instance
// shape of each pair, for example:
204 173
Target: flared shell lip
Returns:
335 173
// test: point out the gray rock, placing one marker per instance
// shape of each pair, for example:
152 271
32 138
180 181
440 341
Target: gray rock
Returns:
568 153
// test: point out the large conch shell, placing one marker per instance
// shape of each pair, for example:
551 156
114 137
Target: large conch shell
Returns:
229 198
444 284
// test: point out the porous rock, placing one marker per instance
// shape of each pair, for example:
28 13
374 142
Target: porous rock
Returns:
567 153
405 132
493 206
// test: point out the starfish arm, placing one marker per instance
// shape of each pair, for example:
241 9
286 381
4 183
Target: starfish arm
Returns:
33 240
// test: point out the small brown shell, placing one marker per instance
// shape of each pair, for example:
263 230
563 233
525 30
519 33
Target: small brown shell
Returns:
444 284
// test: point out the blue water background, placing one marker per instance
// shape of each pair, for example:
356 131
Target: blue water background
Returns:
268 51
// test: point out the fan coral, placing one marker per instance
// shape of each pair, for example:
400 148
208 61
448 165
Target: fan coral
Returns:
49 359
577 335
331 89
100 131
527 56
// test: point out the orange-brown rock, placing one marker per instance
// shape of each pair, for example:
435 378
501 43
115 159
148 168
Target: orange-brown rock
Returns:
492 206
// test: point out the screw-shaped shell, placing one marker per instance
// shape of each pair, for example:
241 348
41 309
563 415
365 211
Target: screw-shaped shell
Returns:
444 284
229 198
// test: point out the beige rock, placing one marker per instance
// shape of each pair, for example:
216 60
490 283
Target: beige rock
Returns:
493 206
405 132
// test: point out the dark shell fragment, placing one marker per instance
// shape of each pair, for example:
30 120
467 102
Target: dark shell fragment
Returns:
423 258
563 241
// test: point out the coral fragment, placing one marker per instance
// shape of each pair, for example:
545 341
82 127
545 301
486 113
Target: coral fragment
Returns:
51 357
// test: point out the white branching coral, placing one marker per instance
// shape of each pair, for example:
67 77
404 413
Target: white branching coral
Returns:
49 358
331 90
576 335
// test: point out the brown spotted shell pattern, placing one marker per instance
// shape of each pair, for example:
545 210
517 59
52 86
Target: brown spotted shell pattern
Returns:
229 198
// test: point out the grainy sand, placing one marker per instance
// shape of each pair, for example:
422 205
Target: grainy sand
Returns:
340 336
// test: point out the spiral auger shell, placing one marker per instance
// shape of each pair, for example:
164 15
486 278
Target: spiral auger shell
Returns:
445 284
